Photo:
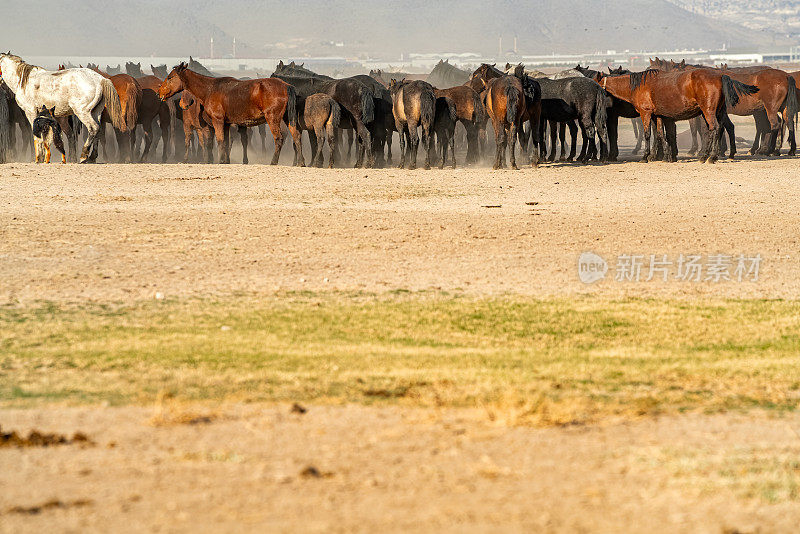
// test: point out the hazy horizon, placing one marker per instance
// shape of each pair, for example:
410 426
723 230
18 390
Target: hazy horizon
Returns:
358 28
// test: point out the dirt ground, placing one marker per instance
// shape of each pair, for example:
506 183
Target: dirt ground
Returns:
114 233
349 469
119 233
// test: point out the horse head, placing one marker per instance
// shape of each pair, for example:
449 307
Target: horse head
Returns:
187 100
173 84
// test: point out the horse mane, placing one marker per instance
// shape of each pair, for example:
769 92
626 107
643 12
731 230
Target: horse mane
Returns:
639 78
23 69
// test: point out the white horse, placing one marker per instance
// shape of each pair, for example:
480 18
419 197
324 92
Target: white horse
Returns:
79 92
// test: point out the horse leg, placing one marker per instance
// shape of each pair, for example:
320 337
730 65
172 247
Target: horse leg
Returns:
573 132
553 126
262 131
366 140
512 141
499 154
451 138
413 135
332 145
147 126
693 132
771 136
789 124
187 141
428 144
317 141
729 128
613 136
646 131
92 122
244 135
562 138
713 122
637 132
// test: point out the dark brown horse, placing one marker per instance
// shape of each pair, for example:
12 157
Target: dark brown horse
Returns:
444 126
322 115
248 103
355 99
680 95
414 105
153 107
469 112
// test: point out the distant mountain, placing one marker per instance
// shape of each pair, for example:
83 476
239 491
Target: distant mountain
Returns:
269 27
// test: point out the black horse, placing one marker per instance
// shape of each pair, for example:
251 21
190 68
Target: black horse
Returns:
355 99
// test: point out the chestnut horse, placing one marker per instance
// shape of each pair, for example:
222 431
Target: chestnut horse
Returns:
680 95
130 98
777 95
244 103
504 100
194 120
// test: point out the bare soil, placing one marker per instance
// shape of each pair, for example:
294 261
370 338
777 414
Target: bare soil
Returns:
360 469
116 233
127 232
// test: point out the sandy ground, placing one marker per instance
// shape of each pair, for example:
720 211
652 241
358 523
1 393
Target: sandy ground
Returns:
383 470
118 233
123 233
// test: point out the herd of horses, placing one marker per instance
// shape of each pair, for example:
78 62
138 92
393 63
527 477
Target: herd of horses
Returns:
363 112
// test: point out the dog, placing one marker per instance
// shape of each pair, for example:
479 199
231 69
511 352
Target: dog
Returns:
47 131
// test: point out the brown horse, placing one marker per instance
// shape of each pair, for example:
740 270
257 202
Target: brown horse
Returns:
322 115
414 105
777 95
469 112
680 95
194 120
153 107
244 103
531 108
130 98
504 99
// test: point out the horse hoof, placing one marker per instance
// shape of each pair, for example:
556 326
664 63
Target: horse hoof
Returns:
644 160
514 167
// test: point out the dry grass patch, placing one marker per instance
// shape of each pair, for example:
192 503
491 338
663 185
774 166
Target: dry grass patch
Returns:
524 361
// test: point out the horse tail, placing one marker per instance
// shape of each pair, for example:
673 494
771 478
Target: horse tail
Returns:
336 114
479 110
512 103
427 101
732 89
451 106
291 105
601 115
791 103
132 105
5 127
112 104
367 106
